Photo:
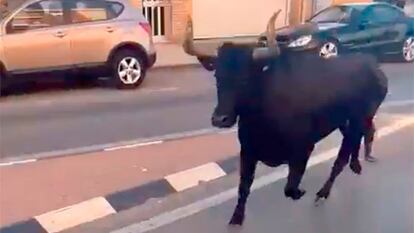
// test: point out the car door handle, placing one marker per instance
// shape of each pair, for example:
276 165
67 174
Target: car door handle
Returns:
110 29
60 34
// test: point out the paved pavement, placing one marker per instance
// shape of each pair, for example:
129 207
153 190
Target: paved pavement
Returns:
381 200
172 100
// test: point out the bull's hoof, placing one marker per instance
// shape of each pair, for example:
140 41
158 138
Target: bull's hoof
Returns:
355 166
322 194
295 194
237 219
371 159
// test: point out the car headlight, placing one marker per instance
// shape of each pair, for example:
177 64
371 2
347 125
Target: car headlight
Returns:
301 41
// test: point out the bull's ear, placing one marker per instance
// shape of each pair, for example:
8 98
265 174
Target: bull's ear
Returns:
209 63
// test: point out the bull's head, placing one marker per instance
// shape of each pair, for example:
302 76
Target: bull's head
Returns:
233 64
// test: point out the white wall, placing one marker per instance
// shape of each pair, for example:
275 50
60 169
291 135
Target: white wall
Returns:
227 18
322 4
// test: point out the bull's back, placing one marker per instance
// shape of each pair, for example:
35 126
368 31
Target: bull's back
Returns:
318 83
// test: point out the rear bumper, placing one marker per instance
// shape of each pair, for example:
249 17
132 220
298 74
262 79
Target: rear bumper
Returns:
152 58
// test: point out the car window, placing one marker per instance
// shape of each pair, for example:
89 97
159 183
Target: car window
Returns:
42 14
114 9
333 14
381 14
83 11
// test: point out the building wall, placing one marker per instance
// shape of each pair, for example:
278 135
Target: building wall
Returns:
3 6
181 9
218 18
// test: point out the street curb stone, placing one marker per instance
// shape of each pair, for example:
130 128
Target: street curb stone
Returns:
129 198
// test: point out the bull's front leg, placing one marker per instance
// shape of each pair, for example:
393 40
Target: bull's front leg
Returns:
349 145
247 172
297 168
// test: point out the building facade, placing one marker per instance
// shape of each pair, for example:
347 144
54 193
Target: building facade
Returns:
211 18
219 18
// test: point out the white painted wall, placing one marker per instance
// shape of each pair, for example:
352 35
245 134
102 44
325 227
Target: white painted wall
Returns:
228 18
321 4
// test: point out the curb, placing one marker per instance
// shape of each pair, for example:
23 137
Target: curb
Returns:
68 217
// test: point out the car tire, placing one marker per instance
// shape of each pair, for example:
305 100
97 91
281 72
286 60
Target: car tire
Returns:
328 49
128 69
407 50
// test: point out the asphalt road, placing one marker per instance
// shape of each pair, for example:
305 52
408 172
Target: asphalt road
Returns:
170 101
379 201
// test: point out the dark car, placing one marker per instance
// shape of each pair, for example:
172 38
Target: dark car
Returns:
378 28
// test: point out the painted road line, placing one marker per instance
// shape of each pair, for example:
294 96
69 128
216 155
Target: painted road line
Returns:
218 199
190 178
133 145
397 103
17 162
165 89
75 215
167 137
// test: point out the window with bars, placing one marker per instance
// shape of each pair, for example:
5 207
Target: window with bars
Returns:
156 12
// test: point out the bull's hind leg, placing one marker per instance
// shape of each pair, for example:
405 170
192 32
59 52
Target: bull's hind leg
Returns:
349 144
367 128
247 171
368 141
297 167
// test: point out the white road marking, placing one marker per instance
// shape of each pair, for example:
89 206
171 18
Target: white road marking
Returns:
17 162
87 211
280 173
190 178
174 136
166 89
229 131
133 145
398 103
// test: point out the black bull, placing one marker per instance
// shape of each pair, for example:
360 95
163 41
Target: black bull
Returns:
286 104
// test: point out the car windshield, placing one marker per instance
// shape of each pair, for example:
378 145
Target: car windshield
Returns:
333 14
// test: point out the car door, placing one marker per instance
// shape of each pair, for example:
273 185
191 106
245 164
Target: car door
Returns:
394 26
36 38
91 32
368 31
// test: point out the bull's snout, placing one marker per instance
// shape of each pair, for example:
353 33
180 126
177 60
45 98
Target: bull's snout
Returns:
223 121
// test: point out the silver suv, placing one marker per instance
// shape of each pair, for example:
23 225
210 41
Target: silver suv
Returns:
86 37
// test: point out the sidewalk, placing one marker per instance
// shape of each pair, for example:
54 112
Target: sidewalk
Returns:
172 54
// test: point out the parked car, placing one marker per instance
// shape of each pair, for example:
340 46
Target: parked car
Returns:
378 28
82 38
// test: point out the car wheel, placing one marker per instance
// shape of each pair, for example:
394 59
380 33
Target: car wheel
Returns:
408 49
328 50
128 69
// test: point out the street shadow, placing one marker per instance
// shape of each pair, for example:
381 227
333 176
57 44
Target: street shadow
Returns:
54 84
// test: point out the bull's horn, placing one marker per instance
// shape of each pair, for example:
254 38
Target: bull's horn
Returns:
188 43
272 48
